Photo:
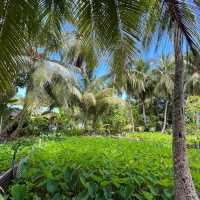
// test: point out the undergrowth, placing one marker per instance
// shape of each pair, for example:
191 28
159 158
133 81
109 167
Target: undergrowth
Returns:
98 168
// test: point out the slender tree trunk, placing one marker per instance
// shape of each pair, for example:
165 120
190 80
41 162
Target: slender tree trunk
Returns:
131 115
18 131
14 128
144 115
1 124
94 124
10 128
85 124
165 117
184 187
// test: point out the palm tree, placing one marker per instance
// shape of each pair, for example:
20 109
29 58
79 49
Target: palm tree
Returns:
192 75
42 78
44 88
86 92
177 19
74 73
139 84
165 83
96 100
20 22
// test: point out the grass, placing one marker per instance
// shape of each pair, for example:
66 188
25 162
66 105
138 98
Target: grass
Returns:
137 167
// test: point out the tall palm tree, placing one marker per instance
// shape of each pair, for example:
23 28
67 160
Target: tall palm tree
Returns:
165 83
192 74
88 92
177 19
139 84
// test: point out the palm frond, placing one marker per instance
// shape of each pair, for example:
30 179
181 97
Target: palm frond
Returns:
88 99
15 16
164 77
107 92
167 15
21 22
114 26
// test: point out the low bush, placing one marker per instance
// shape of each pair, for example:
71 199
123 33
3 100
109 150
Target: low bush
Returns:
116 121
36 125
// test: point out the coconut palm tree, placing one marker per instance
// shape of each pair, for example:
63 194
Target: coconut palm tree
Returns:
48 81
25 19
20 22
41 77
139 84
96 99
88 93
192 75
165 83
74 73
177 19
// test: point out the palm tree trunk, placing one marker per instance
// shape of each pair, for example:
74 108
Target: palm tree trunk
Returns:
184 187
10 128
144 116
94 124
165 117
131 115
85 123
1 124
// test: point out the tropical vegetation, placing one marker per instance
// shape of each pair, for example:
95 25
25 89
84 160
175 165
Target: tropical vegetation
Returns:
52 49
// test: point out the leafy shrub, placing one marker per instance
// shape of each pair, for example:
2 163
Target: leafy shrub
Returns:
75 132
138 120
65 121
76 182
36 125
19 192
192 129
116 120
192 112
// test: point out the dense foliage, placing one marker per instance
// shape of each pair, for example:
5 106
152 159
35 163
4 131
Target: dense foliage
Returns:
119 169
58 70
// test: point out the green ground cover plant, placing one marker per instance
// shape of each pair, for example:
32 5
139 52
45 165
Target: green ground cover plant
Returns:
162 138
97 168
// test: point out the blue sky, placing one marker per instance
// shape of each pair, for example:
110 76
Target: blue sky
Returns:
165 47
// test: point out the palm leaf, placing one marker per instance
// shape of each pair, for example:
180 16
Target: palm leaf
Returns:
167 15
20 22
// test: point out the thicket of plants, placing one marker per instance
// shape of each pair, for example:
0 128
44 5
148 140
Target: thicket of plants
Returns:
99 168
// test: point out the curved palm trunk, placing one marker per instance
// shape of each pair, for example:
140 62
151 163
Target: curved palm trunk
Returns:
14 128
10 128
184 187
165 117
144 116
